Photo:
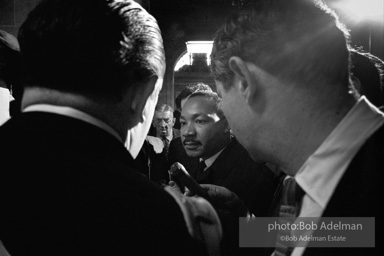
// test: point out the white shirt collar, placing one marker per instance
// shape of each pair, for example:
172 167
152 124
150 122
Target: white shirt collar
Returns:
322 171
168 138
72 112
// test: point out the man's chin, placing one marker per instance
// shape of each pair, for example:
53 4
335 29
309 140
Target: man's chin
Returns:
163 134
193 153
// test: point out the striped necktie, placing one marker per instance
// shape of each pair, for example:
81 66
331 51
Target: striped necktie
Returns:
289 210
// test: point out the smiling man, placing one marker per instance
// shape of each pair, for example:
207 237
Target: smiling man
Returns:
206 137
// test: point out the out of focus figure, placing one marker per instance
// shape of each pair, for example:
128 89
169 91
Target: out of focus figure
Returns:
10 88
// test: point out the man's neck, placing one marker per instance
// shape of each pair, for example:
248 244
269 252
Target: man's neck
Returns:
311 128
97 109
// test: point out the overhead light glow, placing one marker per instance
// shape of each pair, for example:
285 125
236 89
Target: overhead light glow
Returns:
359 10
199 47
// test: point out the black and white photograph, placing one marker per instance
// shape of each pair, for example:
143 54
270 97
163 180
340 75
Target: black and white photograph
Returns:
191 127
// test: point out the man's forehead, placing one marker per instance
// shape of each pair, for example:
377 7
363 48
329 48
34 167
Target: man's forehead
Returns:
163 114
199 110
201 103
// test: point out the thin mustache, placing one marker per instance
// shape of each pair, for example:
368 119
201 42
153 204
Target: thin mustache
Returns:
191 141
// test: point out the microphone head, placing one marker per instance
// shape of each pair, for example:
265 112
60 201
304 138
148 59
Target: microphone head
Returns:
183 179
176 168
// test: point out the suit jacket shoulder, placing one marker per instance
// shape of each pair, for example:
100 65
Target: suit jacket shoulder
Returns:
253 182
73 186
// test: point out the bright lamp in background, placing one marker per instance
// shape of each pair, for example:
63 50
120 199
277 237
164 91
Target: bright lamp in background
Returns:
368 12
199 47
195 47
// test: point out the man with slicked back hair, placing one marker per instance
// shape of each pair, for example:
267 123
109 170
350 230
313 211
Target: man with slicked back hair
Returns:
93 70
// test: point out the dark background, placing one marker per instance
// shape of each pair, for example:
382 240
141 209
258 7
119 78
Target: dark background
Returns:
186 20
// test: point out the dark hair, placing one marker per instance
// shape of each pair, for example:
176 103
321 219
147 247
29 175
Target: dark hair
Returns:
295 40
212 97
369 69
90 46
188 90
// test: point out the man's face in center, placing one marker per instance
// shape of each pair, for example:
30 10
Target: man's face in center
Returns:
164 122
203 131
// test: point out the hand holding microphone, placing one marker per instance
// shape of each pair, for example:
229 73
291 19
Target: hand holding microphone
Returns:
182 178
221 198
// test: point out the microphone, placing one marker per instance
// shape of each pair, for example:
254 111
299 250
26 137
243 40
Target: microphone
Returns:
183 178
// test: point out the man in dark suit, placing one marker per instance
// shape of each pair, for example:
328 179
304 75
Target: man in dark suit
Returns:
93 71
282 68
206 137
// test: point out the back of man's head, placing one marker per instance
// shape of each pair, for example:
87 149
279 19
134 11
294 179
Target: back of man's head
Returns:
296 41
91 47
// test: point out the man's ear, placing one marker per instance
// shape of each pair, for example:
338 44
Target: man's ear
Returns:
243 78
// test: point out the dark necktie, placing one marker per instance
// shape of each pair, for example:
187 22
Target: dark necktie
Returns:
166 146
289 210
200 170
